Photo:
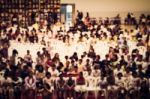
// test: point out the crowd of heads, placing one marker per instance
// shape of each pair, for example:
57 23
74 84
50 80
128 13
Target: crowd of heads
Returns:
120 70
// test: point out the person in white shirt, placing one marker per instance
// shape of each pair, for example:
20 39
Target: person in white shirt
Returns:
48 81
54 72
30 86
28 56
96 76
103 85
119 80
48 86
30 81
96 72
90 80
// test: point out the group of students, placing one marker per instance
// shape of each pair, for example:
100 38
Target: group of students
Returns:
123 73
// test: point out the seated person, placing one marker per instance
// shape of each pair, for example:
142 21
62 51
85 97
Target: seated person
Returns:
39 71
75 72
54 72
30 86
96 76
80 79
70 84
39 89
48 86
80 85
60 87
17 82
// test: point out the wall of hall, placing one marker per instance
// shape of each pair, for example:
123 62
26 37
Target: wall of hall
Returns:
104 8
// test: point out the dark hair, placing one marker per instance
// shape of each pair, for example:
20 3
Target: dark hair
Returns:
14 52
48 73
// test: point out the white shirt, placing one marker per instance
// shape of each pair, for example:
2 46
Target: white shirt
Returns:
96 73
49 81
18 81
54 73
30 82
7 80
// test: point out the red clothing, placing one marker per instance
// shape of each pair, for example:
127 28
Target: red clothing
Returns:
80 81
49 62
39 97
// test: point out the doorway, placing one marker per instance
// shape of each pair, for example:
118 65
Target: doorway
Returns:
68 14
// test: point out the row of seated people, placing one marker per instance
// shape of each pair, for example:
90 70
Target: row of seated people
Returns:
75 87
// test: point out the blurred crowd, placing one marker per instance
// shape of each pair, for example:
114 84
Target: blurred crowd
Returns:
123 73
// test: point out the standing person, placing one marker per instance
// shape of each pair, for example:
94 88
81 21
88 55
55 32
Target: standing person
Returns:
13 59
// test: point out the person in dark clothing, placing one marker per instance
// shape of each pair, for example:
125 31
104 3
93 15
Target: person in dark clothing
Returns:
110 78
40 89
61 87
80 81
70 84
91 52
144 90
31 38
147 55
4 51
97 61
122 93
147 73
17 83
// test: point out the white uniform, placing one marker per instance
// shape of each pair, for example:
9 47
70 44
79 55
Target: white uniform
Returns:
30 83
